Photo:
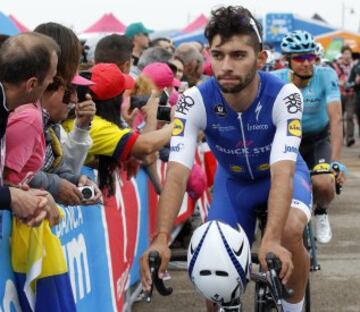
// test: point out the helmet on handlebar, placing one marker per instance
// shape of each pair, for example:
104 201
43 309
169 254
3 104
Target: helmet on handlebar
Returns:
298 41
219 260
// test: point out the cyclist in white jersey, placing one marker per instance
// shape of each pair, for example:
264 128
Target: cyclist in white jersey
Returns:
252 122
322 127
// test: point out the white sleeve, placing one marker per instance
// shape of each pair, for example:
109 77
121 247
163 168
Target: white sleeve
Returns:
286 115
190 118
76 145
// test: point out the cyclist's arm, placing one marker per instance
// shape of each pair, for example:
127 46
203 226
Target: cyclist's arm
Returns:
189 120
287 114
336 129
333 100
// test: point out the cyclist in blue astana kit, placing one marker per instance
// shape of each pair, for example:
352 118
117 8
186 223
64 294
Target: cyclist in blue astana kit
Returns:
252 123
322 113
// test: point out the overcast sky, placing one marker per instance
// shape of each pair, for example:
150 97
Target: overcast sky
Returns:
169 14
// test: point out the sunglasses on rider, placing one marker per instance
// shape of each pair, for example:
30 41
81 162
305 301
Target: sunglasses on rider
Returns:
304 57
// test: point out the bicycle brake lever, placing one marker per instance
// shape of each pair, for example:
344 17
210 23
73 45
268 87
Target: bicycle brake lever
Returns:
338 186
154 263
274 266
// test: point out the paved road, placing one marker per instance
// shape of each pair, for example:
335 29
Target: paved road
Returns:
334 289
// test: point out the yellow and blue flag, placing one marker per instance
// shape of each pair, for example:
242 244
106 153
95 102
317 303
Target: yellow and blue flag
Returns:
40 268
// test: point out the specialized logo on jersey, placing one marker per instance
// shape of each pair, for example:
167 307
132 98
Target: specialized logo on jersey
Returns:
179 127
294 127
290 149
293 103
236 168
184 104
220 110
263 167
257 110
176 148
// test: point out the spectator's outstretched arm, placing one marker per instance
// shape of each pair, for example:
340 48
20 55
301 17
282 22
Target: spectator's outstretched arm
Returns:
151 142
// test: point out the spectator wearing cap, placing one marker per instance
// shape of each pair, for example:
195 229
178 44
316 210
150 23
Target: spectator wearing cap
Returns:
57 174
139 35
27 65
115 49
114 145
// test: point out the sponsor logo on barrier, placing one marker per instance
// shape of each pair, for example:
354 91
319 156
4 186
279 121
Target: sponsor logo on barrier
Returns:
294 127
77 259
10 301
179 127
290 149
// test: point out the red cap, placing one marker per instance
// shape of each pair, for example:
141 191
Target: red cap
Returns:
109 81
81 81
160 74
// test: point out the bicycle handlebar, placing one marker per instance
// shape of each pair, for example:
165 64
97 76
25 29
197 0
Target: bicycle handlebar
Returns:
154 263
279 289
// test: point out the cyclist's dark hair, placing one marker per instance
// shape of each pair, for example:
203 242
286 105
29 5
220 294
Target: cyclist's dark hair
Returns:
70 48
26 55
233 20
110 111
114 48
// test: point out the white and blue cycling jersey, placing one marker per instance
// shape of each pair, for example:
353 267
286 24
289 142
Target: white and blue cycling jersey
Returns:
245 144
323 88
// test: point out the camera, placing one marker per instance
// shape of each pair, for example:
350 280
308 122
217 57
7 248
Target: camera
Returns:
138 101
164 109
83 90
87 192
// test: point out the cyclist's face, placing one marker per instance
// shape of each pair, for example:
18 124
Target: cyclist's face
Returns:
235 62
303 63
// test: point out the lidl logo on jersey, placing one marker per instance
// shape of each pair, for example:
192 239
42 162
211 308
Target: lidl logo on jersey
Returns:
179 127
294 127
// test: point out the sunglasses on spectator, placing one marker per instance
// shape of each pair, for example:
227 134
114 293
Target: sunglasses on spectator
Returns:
69 88
304 57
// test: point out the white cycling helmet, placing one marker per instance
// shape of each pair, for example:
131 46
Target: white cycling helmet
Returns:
219 261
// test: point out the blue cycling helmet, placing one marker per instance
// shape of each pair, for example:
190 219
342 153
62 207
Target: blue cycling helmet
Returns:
298 41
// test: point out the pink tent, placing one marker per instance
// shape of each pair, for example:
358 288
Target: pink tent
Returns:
198 23
107 23
20 26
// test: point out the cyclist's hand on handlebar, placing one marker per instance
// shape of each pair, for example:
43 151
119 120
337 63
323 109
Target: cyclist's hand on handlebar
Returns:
340 171
282 253
160 244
